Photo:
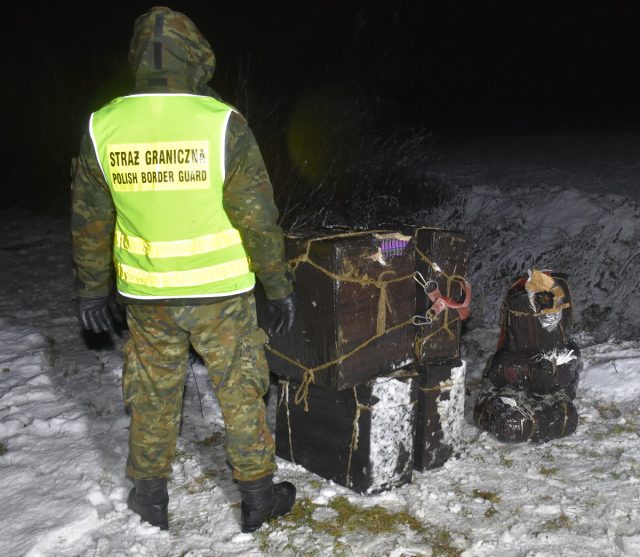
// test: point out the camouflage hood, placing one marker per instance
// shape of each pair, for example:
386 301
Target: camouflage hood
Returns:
168 53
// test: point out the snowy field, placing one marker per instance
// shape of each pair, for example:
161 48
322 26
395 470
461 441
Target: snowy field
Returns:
63 428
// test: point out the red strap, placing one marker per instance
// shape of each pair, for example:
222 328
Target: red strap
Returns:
440 302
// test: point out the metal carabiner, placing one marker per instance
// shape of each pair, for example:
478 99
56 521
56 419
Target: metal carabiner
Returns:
427 285
421 320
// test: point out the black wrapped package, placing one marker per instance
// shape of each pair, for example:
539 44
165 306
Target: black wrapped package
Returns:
441 396
541 372
514 415
537 313
442 263
355 300
361 438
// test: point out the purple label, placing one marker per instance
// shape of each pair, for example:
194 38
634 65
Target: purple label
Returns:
393 246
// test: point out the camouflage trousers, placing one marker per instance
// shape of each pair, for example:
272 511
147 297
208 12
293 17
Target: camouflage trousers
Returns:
226 335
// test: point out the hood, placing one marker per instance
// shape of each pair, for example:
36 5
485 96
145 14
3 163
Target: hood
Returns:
168 53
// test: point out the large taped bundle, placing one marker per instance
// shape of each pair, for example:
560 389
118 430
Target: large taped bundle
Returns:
361 438
443 293
355 300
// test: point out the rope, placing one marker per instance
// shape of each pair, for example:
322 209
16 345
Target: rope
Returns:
448 385
421 341
565 401
379 282
309 372
383 305
542 312
285 399
355 432
381 317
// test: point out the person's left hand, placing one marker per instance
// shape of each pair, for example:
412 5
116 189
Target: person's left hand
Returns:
98 314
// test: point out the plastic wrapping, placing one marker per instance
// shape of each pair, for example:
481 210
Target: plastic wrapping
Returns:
541 372
533 376
513 414
534 319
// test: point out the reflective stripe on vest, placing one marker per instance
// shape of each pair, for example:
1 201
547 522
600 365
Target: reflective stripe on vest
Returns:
163 158
195 277
177 248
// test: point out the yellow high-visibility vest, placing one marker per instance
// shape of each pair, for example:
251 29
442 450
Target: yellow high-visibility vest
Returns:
163 156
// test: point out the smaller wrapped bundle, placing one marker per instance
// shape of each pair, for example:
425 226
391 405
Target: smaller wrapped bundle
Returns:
539 373
537 313
514 415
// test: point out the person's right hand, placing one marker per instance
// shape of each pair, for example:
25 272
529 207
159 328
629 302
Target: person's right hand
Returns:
282 314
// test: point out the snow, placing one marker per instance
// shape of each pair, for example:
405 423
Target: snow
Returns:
451 410
63 426
532 202
391 425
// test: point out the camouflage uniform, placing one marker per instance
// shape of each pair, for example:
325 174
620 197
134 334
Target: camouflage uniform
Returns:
224 333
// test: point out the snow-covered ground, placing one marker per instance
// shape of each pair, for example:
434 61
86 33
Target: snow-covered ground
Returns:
63 427
569 203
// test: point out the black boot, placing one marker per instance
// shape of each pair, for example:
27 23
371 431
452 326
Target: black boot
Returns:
149 498
263 500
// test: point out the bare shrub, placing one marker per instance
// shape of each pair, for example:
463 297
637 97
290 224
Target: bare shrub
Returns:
336 155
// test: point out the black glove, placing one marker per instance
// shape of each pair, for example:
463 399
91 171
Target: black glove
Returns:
282 313
98 314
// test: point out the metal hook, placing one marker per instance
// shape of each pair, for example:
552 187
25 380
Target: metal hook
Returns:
421 320
427 285
417 276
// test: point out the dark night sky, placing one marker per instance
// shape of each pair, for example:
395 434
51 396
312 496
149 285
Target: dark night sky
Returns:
446 61
448 65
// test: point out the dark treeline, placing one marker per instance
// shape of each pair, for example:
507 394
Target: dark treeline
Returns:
346 99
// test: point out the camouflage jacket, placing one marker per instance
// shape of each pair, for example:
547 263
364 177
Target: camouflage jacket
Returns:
185 64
